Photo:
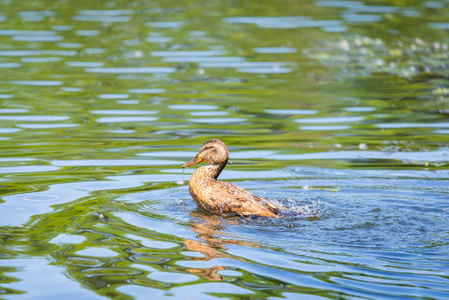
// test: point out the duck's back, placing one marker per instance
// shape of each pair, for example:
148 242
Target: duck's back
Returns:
234 199
225 198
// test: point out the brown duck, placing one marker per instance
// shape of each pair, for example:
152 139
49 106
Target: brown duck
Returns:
223 198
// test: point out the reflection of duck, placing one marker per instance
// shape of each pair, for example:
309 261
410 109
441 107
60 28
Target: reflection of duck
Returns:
213 237
218 197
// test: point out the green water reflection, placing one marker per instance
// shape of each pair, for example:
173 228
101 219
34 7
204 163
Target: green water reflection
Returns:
332 107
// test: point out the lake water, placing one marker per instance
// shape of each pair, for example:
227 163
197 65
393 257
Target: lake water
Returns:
335 108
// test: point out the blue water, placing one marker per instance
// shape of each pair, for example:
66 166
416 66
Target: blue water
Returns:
337 109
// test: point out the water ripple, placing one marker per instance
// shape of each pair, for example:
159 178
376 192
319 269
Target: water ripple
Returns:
131 70
188 53
119 119
329 120
93 191
37 82
34 118
101 18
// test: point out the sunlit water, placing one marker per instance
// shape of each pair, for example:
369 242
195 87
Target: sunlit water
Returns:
338 109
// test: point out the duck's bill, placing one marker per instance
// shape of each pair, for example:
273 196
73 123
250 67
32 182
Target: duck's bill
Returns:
193 161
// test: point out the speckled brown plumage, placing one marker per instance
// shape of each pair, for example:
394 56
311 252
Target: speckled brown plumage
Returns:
218 197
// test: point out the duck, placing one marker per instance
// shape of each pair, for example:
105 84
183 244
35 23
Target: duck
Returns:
219 197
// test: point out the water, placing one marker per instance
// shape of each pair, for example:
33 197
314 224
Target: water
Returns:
336 108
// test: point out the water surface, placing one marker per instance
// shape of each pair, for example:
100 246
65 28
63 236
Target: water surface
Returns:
335 108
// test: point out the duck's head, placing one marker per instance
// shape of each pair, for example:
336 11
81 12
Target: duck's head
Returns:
213 151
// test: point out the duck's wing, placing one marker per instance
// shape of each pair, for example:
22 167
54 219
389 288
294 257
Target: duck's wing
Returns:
232 199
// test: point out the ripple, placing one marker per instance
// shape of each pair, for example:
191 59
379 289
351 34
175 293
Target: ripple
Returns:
37 82
112 12
16 158
97 252
275 50
325 127
94 50
40 59
31 271
329 120
188 53
340 3
10 65
434 4
13 110
34 118
35 16
102 18
27 169
243 64
356 18
21 53
166 24
46 126
440 155
113 96
191 291
230 273
158 39
9 130
283 22
125 131
263 20
124 119
70 45
128 102
131 70
411 13
123 112
209 113
273 70
172 277
17 213
118 192
339 28
65 238
16 32
201 59
71 89
62 27
146 91
38 38
375 9
253 154
40 198
193 106
113 162
444 26
442 131
218 120
177 154
412 125
84 64
291 111
154 244
87 32
360 109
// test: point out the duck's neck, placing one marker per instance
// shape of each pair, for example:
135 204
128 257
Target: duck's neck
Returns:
214 170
